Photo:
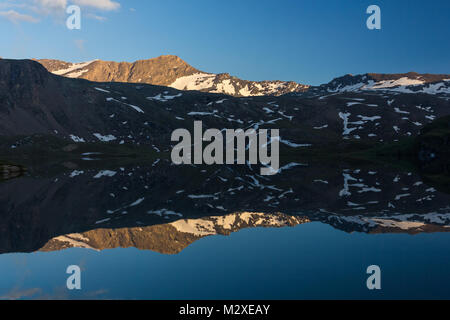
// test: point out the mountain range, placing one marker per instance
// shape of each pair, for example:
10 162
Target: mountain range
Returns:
170 71
35 101
173 72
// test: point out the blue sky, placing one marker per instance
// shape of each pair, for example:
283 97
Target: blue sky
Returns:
305 41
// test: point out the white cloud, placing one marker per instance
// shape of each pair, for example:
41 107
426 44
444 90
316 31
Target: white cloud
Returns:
49 6
106 5
52 4
25 10
17 17
9 4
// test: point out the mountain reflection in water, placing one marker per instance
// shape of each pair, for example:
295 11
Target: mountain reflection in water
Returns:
159 231
165 208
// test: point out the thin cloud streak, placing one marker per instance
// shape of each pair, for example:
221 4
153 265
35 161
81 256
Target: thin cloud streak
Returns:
17 17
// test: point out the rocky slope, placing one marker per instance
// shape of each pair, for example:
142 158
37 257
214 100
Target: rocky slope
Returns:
169 71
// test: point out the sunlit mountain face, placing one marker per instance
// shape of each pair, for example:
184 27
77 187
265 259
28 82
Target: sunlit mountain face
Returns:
170 71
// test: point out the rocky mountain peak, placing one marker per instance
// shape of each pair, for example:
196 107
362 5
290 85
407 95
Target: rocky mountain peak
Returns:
170 71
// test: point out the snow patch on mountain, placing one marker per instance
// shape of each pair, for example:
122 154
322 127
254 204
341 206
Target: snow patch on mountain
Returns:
75 70
198 81
403 83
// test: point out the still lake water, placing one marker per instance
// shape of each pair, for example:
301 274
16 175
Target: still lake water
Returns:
157 233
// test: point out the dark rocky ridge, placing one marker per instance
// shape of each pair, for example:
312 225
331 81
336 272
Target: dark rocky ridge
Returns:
34 101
